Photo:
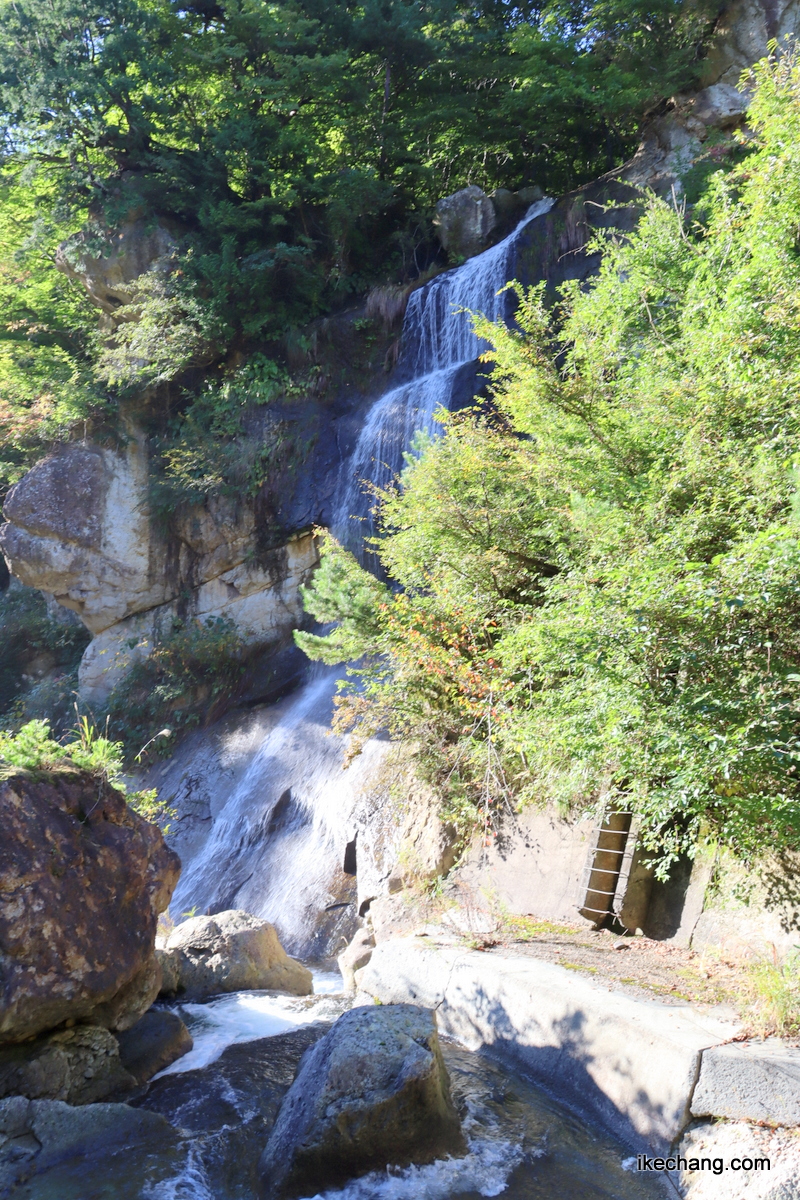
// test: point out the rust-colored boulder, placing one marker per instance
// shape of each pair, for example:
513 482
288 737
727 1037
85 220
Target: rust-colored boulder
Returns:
82 881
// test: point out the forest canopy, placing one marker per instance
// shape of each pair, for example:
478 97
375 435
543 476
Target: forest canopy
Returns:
294 150
593 587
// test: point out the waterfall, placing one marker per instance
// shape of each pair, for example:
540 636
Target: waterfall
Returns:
438 344
276 847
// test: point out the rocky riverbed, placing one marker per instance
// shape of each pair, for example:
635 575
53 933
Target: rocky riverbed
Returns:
198 1134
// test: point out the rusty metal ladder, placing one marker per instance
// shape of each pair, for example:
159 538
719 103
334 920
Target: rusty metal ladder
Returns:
608 864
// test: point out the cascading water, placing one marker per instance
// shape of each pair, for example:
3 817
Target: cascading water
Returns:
439 346
276 847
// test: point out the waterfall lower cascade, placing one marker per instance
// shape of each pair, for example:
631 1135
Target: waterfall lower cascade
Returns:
277 846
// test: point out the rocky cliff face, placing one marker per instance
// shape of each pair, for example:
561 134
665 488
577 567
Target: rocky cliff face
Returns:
79 525
674 139
79 528
107 261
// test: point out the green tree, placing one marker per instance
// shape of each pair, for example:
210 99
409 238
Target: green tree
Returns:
297 149
609 607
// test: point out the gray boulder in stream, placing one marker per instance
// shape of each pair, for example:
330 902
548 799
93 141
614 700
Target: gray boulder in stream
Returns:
374 1092
232 951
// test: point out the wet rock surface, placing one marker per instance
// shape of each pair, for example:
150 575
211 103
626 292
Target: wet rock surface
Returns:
230 952
197 1134
79 1066
82 881
153 1043
52 1151
228 1108
373 1092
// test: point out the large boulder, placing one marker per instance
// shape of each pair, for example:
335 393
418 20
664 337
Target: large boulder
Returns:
82 881
232 951
159 1039
465 222
355 956
80 1066
373 1092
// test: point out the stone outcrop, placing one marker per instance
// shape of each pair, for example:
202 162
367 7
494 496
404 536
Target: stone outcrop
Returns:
464 222
356 956
80 1066
82 881
86 1063
402 842
68 1150
673 137
232 951
156 1041
373 1092
79 528
469 220
107 261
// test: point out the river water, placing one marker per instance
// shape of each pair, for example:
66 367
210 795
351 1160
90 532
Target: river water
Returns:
522 1144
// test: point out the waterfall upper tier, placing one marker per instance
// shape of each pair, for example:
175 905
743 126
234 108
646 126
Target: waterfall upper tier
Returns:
438 346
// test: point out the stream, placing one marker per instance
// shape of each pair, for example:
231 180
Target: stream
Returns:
221 1101
276 845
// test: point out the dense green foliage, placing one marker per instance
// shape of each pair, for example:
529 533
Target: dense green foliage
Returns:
293 150
47 385
600 594
33 748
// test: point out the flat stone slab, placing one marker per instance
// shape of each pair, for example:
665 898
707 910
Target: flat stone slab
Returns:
630 1063
753 1081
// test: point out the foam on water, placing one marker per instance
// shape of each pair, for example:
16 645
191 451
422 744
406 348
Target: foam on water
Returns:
191 1183
247 1016
485 1170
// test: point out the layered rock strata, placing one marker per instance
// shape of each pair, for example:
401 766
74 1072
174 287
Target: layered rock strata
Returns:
79 528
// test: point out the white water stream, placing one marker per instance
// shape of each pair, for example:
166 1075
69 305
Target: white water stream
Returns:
438 344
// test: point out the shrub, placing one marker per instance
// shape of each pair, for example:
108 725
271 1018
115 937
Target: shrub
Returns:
191 669
773 992
33 748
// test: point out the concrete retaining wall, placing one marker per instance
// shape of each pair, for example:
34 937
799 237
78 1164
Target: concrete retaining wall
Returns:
631 1064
